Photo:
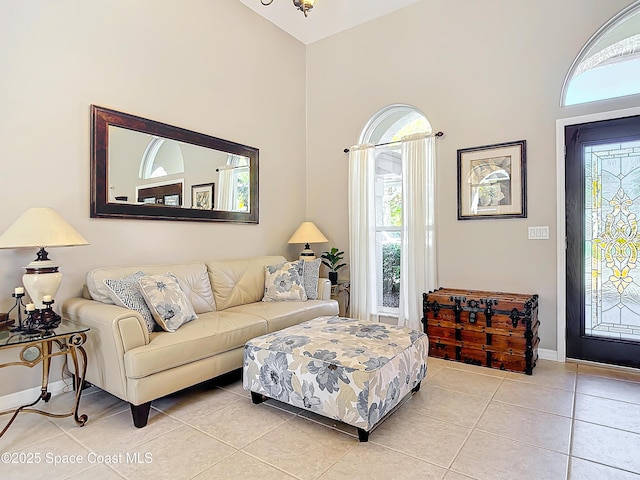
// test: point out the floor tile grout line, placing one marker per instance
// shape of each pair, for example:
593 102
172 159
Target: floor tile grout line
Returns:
607 426
573 426
607 465
531 408
574 419
406 454
252 441
608 398
464 474
96 465
347 450
70 434
484 397
524 442
538 385
473 372
288 420
213 465
261 460
159 409
475 425
636 376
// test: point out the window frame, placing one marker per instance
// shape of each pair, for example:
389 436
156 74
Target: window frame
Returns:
380 129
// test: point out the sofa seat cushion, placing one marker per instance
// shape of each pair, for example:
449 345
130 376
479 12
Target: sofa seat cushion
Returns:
210 334
280 315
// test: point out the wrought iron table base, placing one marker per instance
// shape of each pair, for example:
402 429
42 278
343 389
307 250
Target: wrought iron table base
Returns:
70 343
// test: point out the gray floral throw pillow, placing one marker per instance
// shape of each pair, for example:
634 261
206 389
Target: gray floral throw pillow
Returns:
169 305
283 282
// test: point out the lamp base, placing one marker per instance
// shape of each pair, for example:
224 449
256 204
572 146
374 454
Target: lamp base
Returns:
307 254
42 278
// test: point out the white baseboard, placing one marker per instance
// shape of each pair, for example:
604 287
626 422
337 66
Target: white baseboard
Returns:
24 397
546 354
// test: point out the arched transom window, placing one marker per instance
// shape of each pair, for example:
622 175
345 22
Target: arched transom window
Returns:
608 66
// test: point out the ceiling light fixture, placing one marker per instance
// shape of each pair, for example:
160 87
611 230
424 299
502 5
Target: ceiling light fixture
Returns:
305 6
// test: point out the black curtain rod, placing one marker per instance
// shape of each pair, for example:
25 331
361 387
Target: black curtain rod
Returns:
437 134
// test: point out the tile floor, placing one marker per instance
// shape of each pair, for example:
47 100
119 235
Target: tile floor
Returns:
567 421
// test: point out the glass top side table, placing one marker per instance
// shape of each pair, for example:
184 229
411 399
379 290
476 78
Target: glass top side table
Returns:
40 348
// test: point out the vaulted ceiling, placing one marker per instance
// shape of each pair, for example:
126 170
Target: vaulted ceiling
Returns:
327 17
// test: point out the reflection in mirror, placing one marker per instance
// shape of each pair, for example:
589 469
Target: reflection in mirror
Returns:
147 169
150 170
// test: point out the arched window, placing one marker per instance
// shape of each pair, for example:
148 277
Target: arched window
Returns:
162 157
385 129
608 66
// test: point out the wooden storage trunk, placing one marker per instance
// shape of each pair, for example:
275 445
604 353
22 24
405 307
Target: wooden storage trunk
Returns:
492 329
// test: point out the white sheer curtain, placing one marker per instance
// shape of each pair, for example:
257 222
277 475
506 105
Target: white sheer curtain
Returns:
362 232
227 194
226 190
418 266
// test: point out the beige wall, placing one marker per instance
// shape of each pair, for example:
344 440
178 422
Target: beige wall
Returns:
210 66
483 72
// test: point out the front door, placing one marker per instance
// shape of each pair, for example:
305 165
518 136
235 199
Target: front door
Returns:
602 189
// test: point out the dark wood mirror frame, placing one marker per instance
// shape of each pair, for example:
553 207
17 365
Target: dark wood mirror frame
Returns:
102 118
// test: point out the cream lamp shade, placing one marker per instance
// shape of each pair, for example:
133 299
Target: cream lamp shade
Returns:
308 233
41 228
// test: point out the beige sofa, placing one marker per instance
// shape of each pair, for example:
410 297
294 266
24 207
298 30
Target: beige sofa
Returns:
138 367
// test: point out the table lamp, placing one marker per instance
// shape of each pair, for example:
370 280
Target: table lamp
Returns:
41 228
307 233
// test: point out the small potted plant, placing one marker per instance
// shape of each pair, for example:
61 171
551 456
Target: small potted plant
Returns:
332 260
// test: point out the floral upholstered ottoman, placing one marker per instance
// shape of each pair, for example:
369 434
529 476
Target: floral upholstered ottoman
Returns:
345 369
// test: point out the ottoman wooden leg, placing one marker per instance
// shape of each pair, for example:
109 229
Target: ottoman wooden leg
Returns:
257 398
363 435
416 388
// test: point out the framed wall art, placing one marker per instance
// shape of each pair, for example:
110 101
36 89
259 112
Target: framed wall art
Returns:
492 181
202 196
172 200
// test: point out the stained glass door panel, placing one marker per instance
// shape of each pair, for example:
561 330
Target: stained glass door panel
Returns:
602 193
612 240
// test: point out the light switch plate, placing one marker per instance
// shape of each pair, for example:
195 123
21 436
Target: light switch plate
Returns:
539 233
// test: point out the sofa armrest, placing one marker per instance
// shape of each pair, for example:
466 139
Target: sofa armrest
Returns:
324 289
114 331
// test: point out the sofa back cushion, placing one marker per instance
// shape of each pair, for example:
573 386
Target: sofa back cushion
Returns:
238 282
192 277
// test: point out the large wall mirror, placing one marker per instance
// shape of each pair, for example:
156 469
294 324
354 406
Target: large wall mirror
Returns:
146 169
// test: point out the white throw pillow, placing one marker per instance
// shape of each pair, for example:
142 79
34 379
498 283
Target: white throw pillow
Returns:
125 292
283 282
169 305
